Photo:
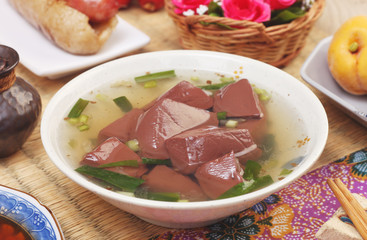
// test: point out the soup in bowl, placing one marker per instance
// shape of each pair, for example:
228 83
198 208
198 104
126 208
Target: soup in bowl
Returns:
184 138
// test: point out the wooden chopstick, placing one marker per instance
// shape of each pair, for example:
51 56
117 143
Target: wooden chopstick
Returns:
350 205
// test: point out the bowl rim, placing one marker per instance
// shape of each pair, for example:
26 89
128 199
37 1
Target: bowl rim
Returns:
31 201
80 180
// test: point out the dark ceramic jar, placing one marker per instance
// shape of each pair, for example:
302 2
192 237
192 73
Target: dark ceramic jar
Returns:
20 105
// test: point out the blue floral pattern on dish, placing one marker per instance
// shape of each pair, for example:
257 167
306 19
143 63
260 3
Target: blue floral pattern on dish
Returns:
35 218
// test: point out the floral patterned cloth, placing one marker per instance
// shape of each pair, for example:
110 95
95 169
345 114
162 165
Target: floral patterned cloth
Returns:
295 212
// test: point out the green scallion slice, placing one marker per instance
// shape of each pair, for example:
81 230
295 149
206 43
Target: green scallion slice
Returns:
252 170
231 123
150 84
143 192
236 190
83 127
133 145
194 78
262 93
151 161
155 76
78 108
83 118
127 163
215 86
285 172
121 181
221 115
123 103
260 182
73 121
169 197
247 187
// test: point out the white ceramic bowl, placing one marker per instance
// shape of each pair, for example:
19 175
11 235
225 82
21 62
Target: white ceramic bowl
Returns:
304 107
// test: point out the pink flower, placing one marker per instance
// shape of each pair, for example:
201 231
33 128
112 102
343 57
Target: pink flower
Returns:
184 5
280 4
251 10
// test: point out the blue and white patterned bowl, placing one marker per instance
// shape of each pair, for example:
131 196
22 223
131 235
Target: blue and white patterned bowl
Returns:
28 212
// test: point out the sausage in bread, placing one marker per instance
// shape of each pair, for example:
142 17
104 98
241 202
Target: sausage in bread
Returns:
69 28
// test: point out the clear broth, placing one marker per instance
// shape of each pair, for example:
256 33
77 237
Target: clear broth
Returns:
284 124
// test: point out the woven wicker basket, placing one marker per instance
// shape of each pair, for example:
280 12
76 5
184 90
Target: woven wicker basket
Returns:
276 45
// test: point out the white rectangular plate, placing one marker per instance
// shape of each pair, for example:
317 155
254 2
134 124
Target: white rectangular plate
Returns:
316 72
45 59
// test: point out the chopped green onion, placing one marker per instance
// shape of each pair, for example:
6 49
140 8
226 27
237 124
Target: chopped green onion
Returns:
150 84
169 197
257 90
252 181
237 190
260 183
122 181
133 145
127 163
215 86
83 127
264 97
252 170
123 103
262 93
231 123
285 171
221 115
194 79
159 196
83 118
247 187
80 122
151 161
73 121
78 108
155 76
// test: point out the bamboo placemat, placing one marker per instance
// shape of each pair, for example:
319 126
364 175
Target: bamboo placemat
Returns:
83 215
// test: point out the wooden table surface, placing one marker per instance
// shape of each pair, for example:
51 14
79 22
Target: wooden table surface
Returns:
83 215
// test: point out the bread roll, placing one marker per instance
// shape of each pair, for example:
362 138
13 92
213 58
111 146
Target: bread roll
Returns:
66 27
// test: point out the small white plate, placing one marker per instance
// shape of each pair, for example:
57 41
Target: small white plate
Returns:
45 59
316 72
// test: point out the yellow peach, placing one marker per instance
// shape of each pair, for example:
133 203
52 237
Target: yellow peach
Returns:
347 55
